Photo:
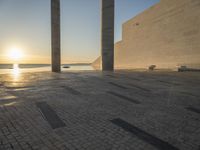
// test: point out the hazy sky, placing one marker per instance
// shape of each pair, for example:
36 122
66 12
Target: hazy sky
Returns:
25 24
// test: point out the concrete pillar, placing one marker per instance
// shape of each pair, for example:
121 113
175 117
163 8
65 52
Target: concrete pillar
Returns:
107 34
55 36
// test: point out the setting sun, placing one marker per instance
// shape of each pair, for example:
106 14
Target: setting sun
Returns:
15 54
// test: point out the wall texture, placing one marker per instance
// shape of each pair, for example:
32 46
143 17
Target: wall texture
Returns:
166 35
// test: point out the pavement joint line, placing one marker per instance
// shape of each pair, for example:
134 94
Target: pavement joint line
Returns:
189 94
124 97
143 135
117 85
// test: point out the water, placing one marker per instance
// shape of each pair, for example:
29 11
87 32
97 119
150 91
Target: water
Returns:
10 68
23 66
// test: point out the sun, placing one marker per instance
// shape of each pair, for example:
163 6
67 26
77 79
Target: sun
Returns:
15 54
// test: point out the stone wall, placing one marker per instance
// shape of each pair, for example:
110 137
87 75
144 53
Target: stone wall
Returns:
166 35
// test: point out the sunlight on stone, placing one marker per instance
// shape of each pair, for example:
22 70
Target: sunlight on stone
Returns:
8 97
10 104
21 89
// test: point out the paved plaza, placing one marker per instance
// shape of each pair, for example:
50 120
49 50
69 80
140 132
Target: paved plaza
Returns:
91 110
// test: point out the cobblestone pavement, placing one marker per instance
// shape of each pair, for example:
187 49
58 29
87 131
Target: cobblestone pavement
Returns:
123 110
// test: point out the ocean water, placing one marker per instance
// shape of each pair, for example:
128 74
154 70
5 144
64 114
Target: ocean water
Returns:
10 68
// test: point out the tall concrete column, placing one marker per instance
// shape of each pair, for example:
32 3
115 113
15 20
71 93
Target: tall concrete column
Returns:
107 34
55 35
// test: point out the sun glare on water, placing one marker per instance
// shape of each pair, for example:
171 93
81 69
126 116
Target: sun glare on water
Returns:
16 71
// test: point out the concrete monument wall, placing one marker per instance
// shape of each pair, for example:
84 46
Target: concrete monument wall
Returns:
166 35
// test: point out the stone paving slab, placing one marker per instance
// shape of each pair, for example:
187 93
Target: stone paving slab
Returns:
163 105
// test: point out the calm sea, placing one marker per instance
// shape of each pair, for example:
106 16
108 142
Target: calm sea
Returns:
23 66
8 68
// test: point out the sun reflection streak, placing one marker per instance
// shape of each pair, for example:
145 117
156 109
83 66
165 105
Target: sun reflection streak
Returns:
16 71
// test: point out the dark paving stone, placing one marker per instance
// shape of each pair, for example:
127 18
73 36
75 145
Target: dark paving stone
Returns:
124 97
117 85
112 76
12 147
193 109
50 115
154 141
169 83
140 88
71 90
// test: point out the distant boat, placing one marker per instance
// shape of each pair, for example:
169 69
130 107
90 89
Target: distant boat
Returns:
66 66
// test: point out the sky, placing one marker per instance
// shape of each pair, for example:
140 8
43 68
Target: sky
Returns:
25 25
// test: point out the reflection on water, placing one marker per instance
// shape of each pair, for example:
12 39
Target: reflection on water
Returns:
16 71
